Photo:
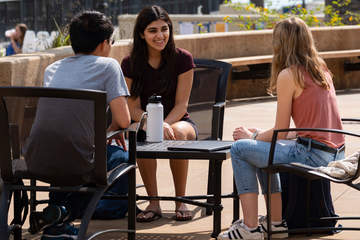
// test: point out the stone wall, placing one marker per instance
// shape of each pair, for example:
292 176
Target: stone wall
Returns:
28 69
209 23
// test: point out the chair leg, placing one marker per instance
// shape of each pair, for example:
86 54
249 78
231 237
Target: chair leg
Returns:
4 209
268 206
17 215
32 197
210 187
132 205
89 212
217 200
308 197
236 203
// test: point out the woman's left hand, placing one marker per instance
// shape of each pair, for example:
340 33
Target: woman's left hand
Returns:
241 133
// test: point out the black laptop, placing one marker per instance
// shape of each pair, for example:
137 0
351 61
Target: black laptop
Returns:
205 146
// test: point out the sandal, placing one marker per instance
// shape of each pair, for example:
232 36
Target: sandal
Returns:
185 215
155 216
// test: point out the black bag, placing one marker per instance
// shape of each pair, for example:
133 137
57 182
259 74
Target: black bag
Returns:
294 196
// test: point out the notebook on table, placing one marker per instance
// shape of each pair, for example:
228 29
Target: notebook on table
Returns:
205 146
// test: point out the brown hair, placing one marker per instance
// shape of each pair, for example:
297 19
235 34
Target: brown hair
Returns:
294 48
23 28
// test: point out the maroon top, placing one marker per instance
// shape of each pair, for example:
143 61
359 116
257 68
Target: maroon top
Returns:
183 63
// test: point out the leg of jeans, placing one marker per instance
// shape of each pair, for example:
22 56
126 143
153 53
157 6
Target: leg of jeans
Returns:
250 155
115 156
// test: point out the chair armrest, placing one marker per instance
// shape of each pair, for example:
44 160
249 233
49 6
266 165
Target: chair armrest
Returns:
118 171
350 120
217 120
114 133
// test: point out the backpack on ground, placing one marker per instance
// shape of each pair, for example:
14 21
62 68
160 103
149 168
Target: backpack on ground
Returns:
294 196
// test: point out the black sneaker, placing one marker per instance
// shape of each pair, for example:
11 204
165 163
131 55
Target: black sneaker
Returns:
51 215
64 231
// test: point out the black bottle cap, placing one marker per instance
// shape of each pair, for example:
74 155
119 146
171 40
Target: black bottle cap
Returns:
154 99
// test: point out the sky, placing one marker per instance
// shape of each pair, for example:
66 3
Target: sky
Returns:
277 3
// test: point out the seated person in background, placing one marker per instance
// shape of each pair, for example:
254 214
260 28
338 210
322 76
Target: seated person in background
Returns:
156 66
72 121
305 93
16 40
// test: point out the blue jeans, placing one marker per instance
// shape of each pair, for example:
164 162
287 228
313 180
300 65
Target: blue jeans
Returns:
76 203
249 156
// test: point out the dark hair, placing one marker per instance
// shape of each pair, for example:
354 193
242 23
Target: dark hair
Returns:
23 28
139 53
88 29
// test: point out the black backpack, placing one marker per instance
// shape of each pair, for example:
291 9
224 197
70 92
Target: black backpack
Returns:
294 195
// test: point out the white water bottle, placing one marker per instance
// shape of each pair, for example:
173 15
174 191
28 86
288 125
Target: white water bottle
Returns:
154 128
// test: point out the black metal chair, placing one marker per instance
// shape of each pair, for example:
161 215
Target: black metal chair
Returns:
14 169
310 174
207 104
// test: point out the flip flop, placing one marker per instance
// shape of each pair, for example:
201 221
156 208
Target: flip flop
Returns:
183 217
155 216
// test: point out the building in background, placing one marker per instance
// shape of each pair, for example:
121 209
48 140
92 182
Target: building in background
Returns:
41 14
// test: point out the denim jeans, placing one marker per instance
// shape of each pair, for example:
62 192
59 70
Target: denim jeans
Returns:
249 156
76 203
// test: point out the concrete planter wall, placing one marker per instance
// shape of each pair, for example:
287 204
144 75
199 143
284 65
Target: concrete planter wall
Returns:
28 69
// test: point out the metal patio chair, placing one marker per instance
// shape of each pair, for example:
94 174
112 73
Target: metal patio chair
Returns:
14 169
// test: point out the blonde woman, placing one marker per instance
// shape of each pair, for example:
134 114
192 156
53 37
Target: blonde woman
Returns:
305 93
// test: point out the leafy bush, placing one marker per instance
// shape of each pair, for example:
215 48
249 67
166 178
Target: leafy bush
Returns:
62 37
252 17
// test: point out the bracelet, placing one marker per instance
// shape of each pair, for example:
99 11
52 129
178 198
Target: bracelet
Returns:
254 135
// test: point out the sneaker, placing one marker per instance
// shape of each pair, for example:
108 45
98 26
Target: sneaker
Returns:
64 231
239 230
274 227
51 215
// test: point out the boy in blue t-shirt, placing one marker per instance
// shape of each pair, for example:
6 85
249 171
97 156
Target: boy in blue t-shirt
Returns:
71 120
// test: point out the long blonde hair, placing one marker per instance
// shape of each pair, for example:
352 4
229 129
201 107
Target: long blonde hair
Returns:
294 48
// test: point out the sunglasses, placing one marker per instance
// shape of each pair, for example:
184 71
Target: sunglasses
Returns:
111 41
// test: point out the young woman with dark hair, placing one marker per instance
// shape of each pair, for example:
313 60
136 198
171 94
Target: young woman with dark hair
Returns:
156 66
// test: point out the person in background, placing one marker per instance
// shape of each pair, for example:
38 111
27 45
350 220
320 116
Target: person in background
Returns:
16 40
305 93
156 66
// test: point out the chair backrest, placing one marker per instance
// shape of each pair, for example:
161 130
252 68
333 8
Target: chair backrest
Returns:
209 88
10 95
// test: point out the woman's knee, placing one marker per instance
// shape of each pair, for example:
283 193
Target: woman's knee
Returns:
239 147
183 131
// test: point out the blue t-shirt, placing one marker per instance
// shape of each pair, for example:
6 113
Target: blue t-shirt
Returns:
71 121
10 50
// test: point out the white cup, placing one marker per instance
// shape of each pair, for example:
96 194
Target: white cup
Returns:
10 32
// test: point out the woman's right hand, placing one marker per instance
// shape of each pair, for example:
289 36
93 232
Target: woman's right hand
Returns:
241 133
168 132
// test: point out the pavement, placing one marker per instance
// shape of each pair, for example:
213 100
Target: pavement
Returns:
251 113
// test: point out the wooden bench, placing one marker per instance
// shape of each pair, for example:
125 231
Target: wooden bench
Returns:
259 66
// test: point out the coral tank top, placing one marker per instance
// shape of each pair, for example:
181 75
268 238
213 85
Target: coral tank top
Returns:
317 107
